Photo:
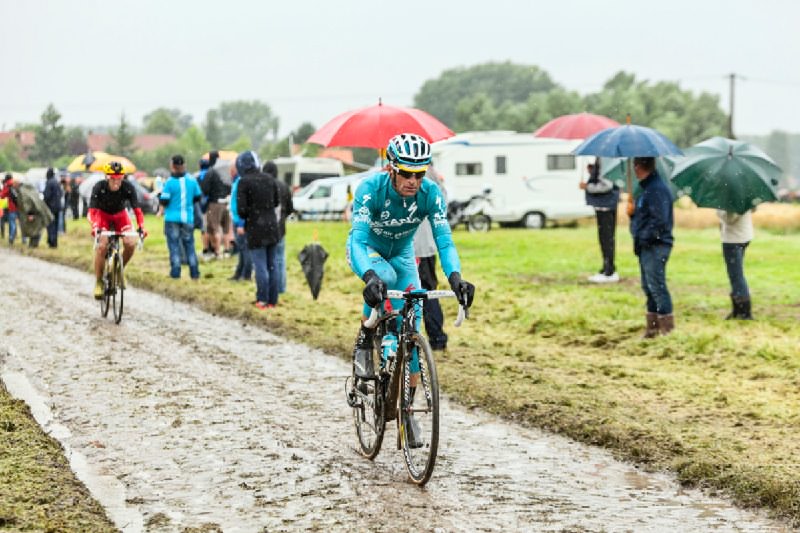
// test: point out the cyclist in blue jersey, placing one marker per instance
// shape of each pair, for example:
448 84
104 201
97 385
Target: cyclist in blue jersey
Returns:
387 209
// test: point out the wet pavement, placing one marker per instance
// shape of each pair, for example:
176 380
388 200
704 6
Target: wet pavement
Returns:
179 419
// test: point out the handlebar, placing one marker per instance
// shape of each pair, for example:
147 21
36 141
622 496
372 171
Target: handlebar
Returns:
417 295
107 233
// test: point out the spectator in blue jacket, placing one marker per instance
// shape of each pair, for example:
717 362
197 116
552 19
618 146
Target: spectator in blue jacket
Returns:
52 198
651 228
244 268
603 196
180 193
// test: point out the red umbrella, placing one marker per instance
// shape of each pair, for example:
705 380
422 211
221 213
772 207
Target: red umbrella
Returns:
373 126
579 126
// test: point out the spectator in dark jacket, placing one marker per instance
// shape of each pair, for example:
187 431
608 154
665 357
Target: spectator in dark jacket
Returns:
53 193
651 228
217 220
286 208
256 203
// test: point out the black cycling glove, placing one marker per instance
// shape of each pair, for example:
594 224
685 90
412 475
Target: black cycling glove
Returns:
465 291
375 289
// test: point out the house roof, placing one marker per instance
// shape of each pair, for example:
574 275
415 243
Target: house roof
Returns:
24 138
98 142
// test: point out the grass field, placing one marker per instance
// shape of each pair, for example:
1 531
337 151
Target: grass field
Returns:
717 402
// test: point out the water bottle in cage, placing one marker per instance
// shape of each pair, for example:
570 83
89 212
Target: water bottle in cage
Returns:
388 348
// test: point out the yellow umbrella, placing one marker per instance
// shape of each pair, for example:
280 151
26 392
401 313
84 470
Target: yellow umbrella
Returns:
100 159
225 155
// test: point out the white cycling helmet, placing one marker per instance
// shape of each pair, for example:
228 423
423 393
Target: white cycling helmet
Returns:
410 152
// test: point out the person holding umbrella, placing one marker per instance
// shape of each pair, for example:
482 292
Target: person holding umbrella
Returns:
387 209
651 228
736 232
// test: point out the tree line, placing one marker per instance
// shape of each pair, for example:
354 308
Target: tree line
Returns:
489 96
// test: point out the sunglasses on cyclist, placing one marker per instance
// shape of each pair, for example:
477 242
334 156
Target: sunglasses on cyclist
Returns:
407 174
115 176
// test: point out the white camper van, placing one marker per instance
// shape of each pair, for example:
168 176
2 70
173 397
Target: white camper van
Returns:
326 198
532 180
298 171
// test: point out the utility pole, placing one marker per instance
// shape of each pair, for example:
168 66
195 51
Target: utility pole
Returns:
730 115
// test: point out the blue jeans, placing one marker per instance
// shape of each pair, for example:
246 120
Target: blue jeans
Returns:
180 237
266 278
12 226
653 266
52 231
244 268
734 263
280 264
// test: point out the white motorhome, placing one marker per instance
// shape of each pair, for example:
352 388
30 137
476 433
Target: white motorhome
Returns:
532 180
298 171
326 198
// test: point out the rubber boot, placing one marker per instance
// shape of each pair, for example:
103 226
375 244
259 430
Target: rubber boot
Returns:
666 323
651 328
745 309
734 308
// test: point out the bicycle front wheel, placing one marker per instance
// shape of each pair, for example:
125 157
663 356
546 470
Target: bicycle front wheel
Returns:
108 284
419 406
117 294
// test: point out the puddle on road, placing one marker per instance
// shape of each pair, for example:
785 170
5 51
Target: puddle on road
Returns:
201 421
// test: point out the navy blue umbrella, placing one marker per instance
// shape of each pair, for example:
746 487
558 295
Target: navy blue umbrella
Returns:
627 141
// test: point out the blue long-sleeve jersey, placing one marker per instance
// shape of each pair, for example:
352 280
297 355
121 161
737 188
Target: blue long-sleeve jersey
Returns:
386 222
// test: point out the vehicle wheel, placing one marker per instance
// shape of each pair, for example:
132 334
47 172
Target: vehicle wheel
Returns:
480 223
118 292
534 220
368 414
420 455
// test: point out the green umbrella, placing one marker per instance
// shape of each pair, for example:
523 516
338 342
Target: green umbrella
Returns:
613 168
724 174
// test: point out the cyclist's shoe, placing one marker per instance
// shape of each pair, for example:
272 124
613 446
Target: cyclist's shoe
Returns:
362 354
98 290
413 432
363 387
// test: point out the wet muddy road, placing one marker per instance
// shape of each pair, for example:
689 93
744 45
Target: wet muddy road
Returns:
177 419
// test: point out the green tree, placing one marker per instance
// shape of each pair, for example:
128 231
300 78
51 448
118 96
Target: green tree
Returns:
166 121
122 139
253 119
500 82
50 138
302 133
10 158
76 141
213 129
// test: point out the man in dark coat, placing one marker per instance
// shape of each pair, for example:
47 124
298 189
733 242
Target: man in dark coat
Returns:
256 202
286 209
53 193
217 221
651 229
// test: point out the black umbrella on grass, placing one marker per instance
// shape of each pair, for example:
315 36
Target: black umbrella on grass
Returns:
312 259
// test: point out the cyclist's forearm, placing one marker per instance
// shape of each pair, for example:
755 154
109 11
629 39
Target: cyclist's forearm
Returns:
139 216
448 254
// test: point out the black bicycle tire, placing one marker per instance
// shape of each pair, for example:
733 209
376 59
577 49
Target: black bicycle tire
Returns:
119 291
479 223
106 299
421 476
370 451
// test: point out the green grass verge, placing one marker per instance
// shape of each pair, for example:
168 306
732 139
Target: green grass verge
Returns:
717 402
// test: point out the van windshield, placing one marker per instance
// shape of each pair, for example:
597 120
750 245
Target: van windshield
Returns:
308 177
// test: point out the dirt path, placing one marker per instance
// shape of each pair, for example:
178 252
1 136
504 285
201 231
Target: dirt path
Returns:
177 419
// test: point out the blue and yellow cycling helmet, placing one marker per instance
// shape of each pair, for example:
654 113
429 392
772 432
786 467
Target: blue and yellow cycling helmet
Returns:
409 152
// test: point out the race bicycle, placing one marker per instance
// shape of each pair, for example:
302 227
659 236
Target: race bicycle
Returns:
390 394
113 273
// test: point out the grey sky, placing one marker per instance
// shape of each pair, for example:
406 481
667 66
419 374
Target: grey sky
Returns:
312 60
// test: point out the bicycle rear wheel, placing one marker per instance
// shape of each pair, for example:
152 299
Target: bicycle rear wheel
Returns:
420 443
118 291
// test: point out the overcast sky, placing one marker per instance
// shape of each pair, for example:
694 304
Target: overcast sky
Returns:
312 60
